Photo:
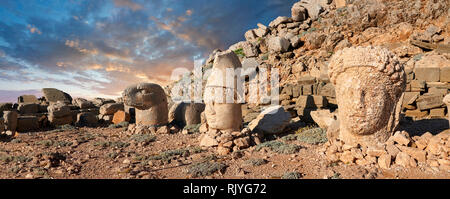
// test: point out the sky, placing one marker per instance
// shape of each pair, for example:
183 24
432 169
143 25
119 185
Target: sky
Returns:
96 48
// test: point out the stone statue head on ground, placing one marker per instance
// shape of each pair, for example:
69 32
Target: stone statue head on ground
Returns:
225 113
369 83
150 102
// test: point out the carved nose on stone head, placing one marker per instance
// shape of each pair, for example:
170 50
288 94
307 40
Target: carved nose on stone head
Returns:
359 101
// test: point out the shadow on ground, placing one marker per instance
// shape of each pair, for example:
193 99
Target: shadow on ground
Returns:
419 127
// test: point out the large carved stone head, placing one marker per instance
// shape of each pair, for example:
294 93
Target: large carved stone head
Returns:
150 102
221 111
144 95
369 82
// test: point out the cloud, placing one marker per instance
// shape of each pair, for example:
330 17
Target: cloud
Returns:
128 3
33 29
100 47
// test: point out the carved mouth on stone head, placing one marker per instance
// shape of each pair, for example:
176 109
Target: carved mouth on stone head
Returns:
358 116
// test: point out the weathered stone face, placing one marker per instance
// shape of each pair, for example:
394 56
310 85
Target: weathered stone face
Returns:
365 111
369 83
223 114
150 103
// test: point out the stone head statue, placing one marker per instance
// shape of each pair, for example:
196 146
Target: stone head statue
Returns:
224 114
369 83
150 102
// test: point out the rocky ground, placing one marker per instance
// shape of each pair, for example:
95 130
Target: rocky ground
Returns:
73 153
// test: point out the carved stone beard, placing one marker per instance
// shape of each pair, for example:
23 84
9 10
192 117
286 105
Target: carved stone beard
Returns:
367 102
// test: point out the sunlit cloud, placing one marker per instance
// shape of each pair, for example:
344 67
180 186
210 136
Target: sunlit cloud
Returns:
189 12
33 29
98 48
128 3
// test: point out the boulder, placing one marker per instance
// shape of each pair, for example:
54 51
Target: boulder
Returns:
28 108
272 120
82 103
417 154
6 107
208 141
437 113
340 3
261 31
444 74
323 118
121 116
58 109
54 95
314 40
27 99
293 39
409 98
384 161
430 101
278 21
111 108
427 74
298 12
403 159
10 118
56 121
27 123
59 113
106 118
86 119
278 44
186 113
327 90
250 35
247 47
313 7
98 102
401 138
